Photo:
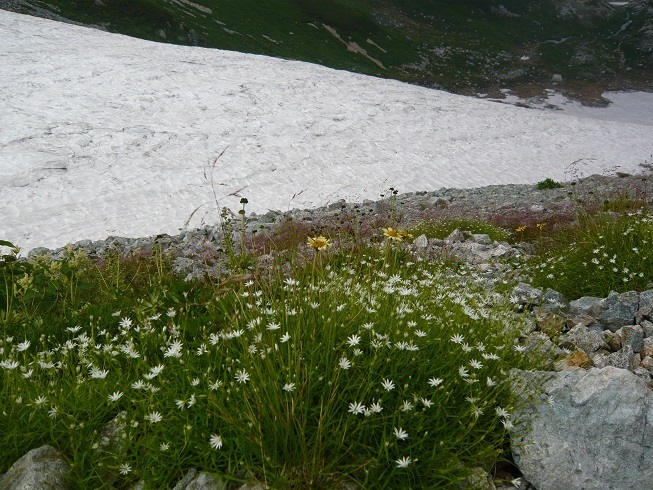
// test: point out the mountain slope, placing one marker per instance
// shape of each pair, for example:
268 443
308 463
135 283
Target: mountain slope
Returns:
464 46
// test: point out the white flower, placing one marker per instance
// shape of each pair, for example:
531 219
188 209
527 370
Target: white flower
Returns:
53 412
115 396
457 339
28 374
9 364
462 370
97 373
125 323
406 406
125 469
376 407
388 385
154 417
501 412
174 350
353 340
289 387
41 400
420 333
356 408
23 346
156 370
475 364
344 363
181 404
403 462
216 441
138 385
195 382
164 446
491 382
400 433
427 403
273 326
242 376
435 382
285 338
507 424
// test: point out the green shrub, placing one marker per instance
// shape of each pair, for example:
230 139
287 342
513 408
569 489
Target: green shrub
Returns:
548 184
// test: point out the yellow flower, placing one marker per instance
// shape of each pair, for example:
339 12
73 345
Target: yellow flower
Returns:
392 234
404 234
319 243
540 225
521 229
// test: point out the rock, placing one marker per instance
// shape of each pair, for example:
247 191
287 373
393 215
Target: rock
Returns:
576 360
619 310
582 338
623 359
525 295
612 340
587 306
633 336
647 327
584 320
479 479
644 313
647 363
594 435
482 238
43 468
201 481
554 302
456 236
647 347
421 241
646 299
551 324
556 78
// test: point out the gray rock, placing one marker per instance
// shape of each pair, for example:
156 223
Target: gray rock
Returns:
619 310
622 359
645 313
43 468
647 363
633 336
186 480
503 250
482 238
582 338
594 435
642 373
421 241
554 302
556 78
456 236
587 306
647 327
526 295
646 299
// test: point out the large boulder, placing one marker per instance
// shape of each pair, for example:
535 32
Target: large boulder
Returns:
43 468
594 431
619 310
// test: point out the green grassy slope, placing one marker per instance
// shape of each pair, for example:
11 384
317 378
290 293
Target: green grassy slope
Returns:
463 46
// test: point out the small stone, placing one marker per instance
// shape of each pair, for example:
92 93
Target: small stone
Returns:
554 302
582 338
647 326
556 78
619 310
551 325
526 295
647 347
632 335
646 299
642 373
421 241
585 320
647 363
587 306
578 358
612 340
623 359
456 236
482 238
644 313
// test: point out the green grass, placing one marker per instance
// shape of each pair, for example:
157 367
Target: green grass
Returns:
363 365
360 363
606 252
442 228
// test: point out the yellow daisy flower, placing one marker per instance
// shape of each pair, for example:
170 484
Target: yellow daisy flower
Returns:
320 242
392 234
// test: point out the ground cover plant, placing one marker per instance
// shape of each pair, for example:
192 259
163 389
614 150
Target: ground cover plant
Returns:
364 365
